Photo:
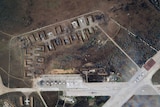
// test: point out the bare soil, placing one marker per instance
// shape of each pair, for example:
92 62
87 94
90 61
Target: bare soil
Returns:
13 98
99 51
143 101
4 57
51 98
37 100
155 78
139 51
21 16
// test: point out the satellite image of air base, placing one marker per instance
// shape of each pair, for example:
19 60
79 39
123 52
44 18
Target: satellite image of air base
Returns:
79 53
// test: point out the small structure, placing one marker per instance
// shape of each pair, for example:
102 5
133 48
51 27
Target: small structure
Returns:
39 71
7 104
82 22
29 51
74 37
79 35
58 41
100 18
58 29
29 61
50 34
31 38
90 20
31 102
75 24
69 100
84 36
148 65
36 35
40 48
66 28
25 42
94 74
21 100
87 33
28 73
40 59
42 35
51 45
67 40
69 81
27 101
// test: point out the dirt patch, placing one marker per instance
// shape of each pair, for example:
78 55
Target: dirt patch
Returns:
21 16
13 98
37 100
51 98
155 78
98 52
134 46
62 71
144 101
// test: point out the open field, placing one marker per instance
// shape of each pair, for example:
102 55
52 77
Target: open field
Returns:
50 98
4 57
139 51
16 70
4 62
16 59
37 100
21 16
4 40
88 101
91 101
13 98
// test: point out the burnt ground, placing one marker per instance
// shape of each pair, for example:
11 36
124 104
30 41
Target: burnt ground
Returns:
13 98
50 98
99 51
86 101
139 17
90 102
37 100
143 101
155 78
139 51
78 53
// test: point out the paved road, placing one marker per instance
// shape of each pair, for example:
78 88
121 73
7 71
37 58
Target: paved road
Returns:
73 84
